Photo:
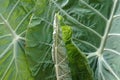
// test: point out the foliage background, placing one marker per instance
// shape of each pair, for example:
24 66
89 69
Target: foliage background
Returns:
26 31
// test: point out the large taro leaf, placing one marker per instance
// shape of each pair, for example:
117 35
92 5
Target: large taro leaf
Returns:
14 19
39 41
96 32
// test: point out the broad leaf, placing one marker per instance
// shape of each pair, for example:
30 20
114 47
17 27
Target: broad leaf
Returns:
39 41
14 19
96 33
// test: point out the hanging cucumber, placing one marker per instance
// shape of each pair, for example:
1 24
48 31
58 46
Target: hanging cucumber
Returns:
78 63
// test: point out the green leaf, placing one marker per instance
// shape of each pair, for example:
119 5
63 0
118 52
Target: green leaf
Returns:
14 19
96 32
59 52
78 63
39 41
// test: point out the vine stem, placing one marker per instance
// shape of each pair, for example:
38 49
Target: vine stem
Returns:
108 27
